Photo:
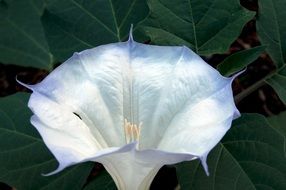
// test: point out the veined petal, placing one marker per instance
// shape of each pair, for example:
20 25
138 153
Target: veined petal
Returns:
86 108
168 81
94 96
66 135
200 126
114 82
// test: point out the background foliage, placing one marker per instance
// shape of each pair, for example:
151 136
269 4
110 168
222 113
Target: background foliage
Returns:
37 35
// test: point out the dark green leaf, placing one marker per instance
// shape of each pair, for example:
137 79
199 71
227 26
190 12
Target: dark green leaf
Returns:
24 156
207 27
250 157
271 27
239 60
278 122
102 182
278 83
75 25
22 40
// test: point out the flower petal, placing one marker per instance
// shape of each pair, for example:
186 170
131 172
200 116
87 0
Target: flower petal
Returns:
111 83
136 169
71 85
200 125
177 98
68 138
167 80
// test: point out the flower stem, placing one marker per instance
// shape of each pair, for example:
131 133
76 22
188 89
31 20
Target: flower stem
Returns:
255 86
249 90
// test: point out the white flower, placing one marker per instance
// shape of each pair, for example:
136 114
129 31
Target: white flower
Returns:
133 108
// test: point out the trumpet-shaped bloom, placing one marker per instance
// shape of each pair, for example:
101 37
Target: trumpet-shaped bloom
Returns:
133 108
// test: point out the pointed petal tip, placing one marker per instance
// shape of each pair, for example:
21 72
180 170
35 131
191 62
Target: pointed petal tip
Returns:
47 175
30 87
130 39
76 53
205 165
237 74
236 114
59 169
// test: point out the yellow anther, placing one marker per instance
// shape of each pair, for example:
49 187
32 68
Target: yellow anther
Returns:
132 131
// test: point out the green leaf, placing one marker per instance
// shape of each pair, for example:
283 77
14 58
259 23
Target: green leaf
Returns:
271 28
22 40
278 83
75 25
278 123
24 156
101 181
207 27
250 156
239 60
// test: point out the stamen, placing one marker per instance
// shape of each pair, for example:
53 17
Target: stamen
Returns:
132 132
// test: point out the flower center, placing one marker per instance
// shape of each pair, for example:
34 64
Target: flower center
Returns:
132 131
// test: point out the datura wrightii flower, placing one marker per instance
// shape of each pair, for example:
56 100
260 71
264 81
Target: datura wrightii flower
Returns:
134 108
